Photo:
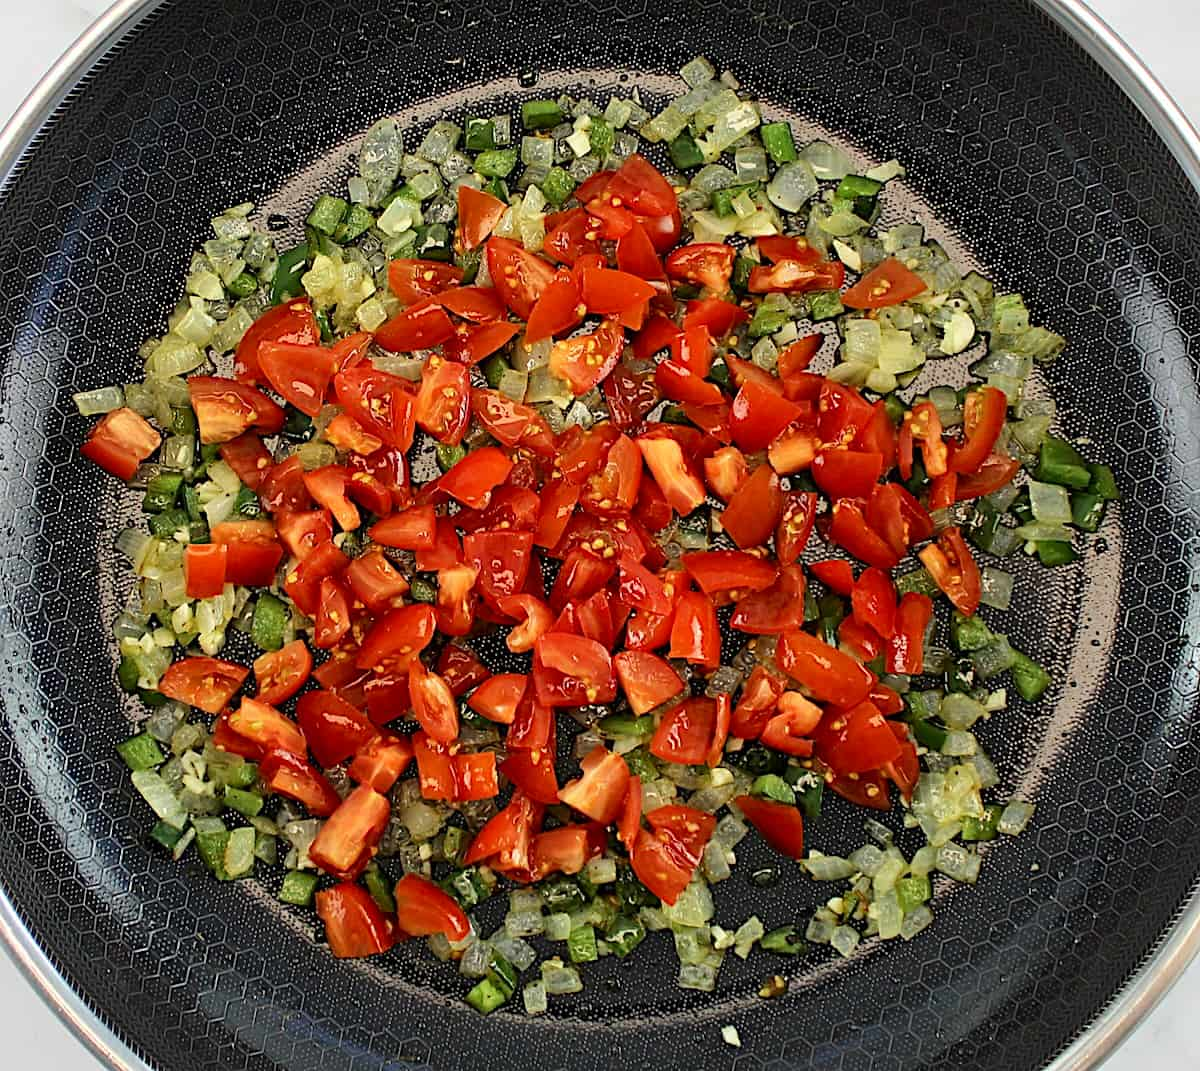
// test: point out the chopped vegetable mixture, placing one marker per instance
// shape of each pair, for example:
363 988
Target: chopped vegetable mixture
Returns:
651 432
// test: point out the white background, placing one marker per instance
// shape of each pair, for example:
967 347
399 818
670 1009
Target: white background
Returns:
1163 32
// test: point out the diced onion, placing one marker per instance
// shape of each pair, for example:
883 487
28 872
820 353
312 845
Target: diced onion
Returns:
1049 502
100 400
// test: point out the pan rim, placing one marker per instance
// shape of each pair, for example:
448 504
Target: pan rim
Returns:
1178 947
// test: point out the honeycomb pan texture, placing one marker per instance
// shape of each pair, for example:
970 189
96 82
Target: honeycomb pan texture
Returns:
1031 163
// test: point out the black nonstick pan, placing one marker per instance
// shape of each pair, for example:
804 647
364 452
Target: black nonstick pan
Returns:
1038 149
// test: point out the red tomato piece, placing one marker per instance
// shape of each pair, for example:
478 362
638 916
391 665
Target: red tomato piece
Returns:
531 770
478 214
859 639
381 761
584 360
778 608
294 776
446 549
704 264
849 531
924 425
534 619
659 333
647 680
328 486
375 582
247 456
641 589
672 471
600 789
282 487
502 559
754 509
266 728
414 280
334 729
641 186
573 234
995 472
758 415
887 284
983 419
788 730
204 570
423 909
333 614
511 423
614 488
873 601
396 638
898 518
565 850
681 384
410 529
837 574
224 410
456 599
381 403
472 479
953 569
636 255
695 633
724 471
281 674
303 532
756 704
665 859
572 671
293 321
856 740
301 374
685 733
906 647
629 395
303 582
207 683
796 277
475 776
435 769
718 316
461 669
471 343
558 310
349 436
433 703
777 247
519 276
842 473
354 925
443 406
781 825
795 359
498 697
506 840
419 327
616 293
479 304
725 570
830 675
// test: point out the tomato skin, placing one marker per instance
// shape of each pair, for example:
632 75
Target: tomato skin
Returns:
781 825
534 619
281 674
572 234
906 647
354 925
558 309
865 790
681 384
410 529
796 277
471 343
685 734
647 680
843 473
873 601
629 395
584 360
983 419
636 255
705 264
642 590
433 703
887 284
718 316
294 776
207 683
519 276
333 614
862 641
461 669
472 479
758 414
498 697
204 569
333 728
776 609
381 761
293 322
414 280
994 472
478 214
796 520
419 327
607 292
532 772
600 790
722 570
443 406
796 358
673 473
665 858
779 247
856 740
658 333
953 569
346 842
830 675
301 374
923 424
695 633
423 909
837 574
119 442
757 703
226 409
849 531
266 728
379 402
396 638
512 423
753 512
435 768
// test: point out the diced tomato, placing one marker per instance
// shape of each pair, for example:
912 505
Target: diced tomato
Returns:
753 511
534 619
281 674
600 790
351 350
204 570
410 529
616 293
572 671
573 234
381 403
837 574
789 729
565 850
247 456
558 310
207 683
293 321
445 551
354 925
724 471
795 526
887 284
905 768
531 770
898 518
780 824
953 569
419 327
796 277
757 703
443 406
301 374
758 415
641 186
478 214
704 264
873 601
830 675
506 840
614 488
864 790
266 728
844 473
923 425
349 436
665 859
647 680
461 669
584 360
472 479
497 698
681 384
636 255
282 487
849 531
659 333
995 472
718 316
843 414
777 247
502 560
856 740
423 909
226 409
471 343
695 633
778 608
795 359
333 614
511 423
303 532
435 768
685 733
479 304
375 582
725 570
381 761
983 419
433 703
629 395
294 776
333 728
396 638
519 276
475 776
456 599
673 473
414 280
906 646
